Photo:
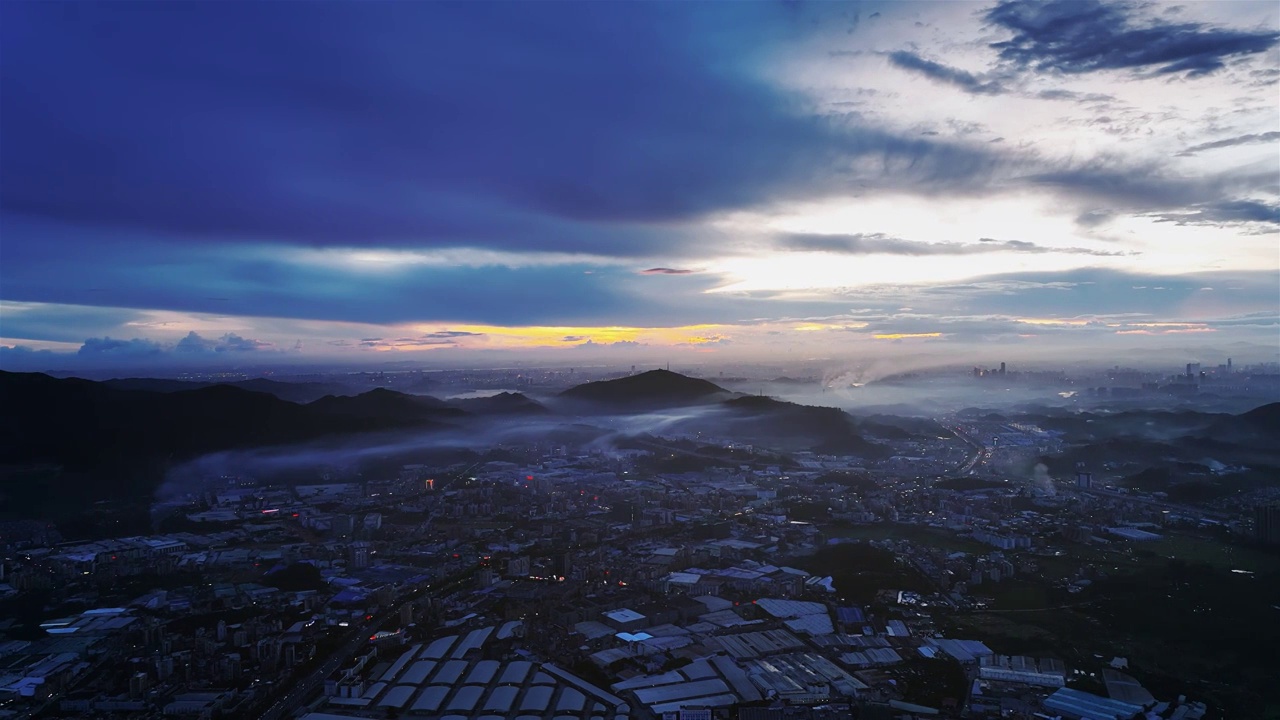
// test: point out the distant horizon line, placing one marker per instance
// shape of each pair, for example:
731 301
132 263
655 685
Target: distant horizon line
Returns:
266 371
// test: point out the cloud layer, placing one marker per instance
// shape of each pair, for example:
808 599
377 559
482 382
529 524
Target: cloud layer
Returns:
207 182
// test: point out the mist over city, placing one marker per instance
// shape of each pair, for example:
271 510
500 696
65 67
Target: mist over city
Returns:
636 361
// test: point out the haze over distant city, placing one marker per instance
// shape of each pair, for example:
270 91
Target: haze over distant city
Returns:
204 184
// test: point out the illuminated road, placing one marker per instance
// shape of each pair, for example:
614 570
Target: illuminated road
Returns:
1184 509
980 453
304 688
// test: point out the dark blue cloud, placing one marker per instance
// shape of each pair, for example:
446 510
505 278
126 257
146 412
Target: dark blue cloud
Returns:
271 282
193 343
1079 36
962 79
113 348
61 323
1111 185
666 271
423 123
1251 139
1106 187
22 357
1098 291
1226 212
232 342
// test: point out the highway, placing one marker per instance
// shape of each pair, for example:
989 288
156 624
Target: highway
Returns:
304 688
980 453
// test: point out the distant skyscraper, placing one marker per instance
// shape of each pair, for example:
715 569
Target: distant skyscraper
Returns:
1084 478
1001 368
564 565
1193 370
1266 524
360 555
1228 366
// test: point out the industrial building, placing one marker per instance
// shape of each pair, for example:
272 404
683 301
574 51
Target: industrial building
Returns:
1025 670
443 680
1079 705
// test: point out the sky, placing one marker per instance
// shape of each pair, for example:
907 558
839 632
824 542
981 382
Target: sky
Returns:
204 184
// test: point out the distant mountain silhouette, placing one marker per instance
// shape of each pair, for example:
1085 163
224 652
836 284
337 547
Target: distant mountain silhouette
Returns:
1156 425
299 392
656 388
155 384
827 429
505 403
115 444
1265 418
787 418
1193 456
1258 428
721 412
763 403
885 431
383 405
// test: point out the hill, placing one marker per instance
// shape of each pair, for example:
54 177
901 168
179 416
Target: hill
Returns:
1248 438
298 392
1261 423
893 427
656 388
100 442
1266 417
505 403
805 419
1155 425
824 429
383 405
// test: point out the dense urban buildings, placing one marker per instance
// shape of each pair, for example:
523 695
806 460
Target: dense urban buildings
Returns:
740 557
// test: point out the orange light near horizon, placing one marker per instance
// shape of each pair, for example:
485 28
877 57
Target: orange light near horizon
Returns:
906 336
815 327
1167 331
494 336
1053 321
